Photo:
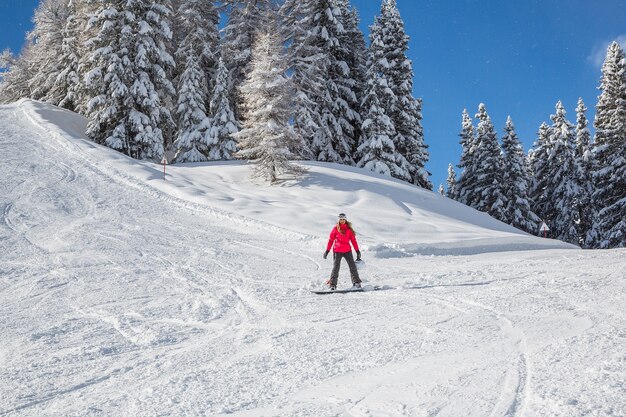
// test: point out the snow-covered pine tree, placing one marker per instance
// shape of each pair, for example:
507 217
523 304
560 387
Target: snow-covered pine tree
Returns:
267 138
326 108
489 168
130 76
609 154
441 190
356 60
541 190
46 68
563 173
377 151
198 39
192 137
84 10
47 36
417 150
583 161
108 73
515 182
66 86
405 111
348 71
287 17
465 191
197 24
18 72
308 65
583 135
223 124
451 182
7 59
333 141
244 17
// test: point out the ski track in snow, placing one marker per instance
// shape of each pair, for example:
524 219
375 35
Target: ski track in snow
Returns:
119 299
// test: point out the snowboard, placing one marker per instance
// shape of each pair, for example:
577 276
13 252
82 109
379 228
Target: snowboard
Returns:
348 290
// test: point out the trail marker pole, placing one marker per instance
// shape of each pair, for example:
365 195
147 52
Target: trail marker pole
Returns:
164 162
544 228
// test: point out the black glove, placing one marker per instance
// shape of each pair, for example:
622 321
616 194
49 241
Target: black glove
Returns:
325 254
358 255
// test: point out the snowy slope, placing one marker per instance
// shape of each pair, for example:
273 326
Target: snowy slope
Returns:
393 218
122 293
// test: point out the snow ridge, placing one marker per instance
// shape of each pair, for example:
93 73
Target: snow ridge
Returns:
36 114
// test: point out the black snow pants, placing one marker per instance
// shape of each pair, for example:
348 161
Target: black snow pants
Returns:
337 257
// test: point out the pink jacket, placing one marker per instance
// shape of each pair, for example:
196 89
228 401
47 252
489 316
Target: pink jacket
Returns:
342 240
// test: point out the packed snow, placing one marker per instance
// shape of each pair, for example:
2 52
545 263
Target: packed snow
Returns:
127 293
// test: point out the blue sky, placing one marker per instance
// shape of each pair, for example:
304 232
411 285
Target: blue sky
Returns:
517 57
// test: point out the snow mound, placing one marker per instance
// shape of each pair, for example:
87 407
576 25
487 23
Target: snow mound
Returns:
392 218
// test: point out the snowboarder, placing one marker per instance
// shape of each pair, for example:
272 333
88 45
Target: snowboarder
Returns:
340 239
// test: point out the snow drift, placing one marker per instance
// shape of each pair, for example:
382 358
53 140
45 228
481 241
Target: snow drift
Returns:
393 218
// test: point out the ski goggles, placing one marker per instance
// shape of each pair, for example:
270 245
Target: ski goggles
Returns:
342 216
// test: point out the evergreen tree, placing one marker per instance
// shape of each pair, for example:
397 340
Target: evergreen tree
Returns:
563 174
333 140
47 36
47 68
308 66
441 190
7 59
541 190
377 150
15 80
583 135
197 25
129 76
609 154
108 75
451 182
488 164
198 39
222 146
326 110
515 183
465 190
348 72
267 138
84 10
65 88
192 138
288 16
244 17
404 111
583 161
356 60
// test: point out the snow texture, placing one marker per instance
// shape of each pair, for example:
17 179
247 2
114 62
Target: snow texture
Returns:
123 293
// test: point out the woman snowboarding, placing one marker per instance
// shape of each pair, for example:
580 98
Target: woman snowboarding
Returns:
340 239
